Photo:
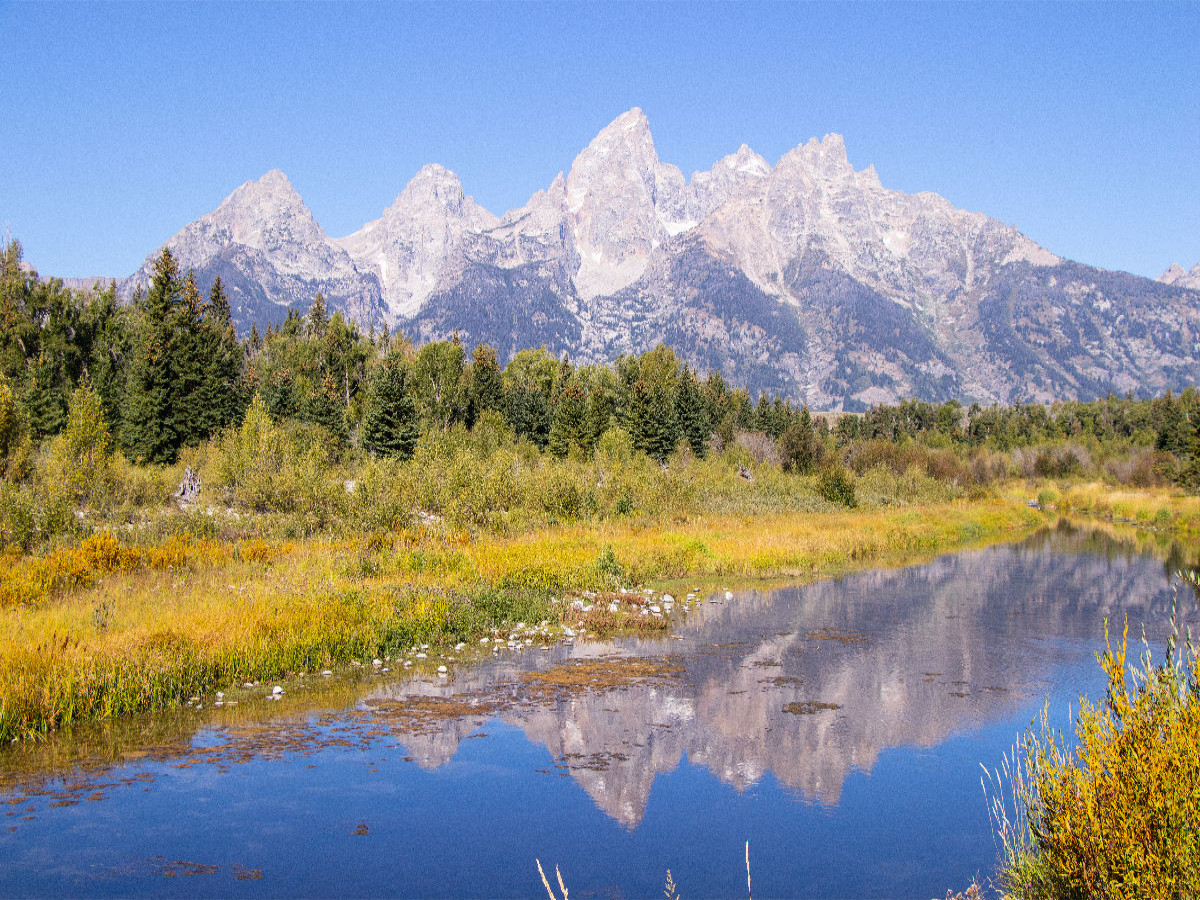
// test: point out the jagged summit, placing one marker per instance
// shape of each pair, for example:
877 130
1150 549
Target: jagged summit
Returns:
807 276
1179 277
409 247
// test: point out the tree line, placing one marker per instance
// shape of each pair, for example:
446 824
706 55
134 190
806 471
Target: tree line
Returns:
169 371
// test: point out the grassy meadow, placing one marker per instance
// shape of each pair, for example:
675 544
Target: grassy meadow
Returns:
109 630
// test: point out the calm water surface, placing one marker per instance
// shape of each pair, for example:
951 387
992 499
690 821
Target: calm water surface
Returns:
838 726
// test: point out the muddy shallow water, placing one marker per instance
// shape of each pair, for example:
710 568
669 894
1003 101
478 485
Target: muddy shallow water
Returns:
838 726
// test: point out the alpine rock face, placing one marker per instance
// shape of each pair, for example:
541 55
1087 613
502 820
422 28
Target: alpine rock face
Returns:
1180 277
410 247
271 254
808 277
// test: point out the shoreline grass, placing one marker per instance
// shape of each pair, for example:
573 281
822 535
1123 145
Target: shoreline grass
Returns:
127 638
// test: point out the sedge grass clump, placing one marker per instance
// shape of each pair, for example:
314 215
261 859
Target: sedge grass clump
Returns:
1117 814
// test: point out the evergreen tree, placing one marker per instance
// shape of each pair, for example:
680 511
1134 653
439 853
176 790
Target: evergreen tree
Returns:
691 413
742 409
602 405
1173 430
318 317
570 424
801 450
224 391
109 352
44 400
390 422
652 420
193 348
343 355
149 422
762 414
486 384
527 412
323 406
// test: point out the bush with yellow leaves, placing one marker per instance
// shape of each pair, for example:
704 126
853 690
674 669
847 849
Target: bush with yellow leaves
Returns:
1116 814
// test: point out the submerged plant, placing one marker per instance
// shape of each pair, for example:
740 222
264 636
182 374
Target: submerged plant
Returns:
1117 814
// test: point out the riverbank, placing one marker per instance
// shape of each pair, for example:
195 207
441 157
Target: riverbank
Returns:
132 629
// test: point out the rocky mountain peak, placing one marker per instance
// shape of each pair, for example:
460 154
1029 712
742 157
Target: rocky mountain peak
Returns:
808 277
266 213
624 203
1179 277
417 237
434 187
825 158
747 162
733 174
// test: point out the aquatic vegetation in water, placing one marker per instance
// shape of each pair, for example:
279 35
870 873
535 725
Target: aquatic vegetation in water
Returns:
810 707
597 676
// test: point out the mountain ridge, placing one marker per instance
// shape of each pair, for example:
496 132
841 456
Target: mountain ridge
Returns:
808 277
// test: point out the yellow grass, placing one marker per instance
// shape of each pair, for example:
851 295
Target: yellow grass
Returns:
141 628
1164 509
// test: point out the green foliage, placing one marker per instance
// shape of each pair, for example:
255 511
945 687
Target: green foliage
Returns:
85 444
252 458
390 420
802 451
652 422
438 384
151 412
570 427
836 485
692 413
486 391
13 438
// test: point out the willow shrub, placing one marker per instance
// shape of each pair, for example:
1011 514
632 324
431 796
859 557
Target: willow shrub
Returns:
1117 814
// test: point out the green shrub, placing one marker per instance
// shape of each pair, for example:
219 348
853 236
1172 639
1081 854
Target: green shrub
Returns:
836 486
17 517
1047 497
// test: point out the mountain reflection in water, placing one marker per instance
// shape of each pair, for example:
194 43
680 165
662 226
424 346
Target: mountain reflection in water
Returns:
809 683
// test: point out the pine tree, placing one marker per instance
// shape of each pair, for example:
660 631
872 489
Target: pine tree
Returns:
390 423
108 353
691 412
221 395
44 400
318 317
802 452
487 384
570 420
149 431
193 347
323 406
653 426
762 414
527 412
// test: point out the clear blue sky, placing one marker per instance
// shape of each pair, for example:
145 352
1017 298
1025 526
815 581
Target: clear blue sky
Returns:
1079 124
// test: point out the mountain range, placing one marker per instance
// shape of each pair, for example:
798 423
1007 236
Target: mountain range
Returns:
808 278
